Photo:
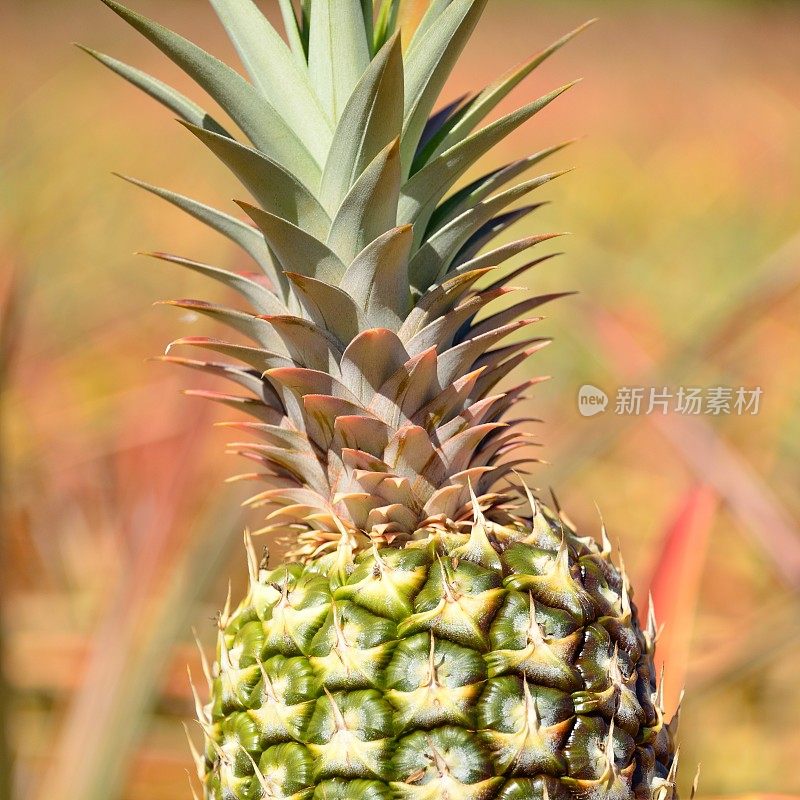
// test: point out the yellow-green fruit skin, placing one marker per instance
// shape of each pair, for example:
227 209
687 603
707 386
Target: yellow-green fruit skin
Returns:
416 673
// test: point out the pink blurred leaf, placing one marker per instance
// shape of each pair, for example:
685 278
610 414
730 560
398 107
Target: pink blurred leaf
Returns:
675 582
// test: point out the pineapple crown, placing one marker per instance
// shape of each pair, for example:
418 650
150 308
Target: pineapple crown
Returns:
373 363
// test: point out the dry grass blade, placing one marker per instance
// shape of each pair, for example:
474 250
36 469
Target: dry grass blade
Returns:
778 278
759 647
126 666
675 583
178 552
11 303
10 324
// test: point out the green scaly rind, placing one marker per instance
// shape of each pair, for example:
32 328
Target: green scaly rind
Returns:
442 671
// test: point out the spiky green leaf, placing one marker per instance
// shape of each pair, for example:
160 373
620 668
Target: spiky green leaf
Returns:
370 360
261 298
275 73
432 260
338 52
429 61
296 250
480 189
372 120
370 208
426 188
246 236
377 280
261 123
329 307
496 92
275 189
179 104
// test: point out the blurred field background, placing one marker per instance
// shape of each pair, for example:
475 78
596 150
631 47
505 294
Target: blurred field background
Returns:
118 533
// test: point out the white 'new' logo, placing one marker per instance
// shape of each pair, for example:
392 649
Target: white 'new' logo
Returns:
591 400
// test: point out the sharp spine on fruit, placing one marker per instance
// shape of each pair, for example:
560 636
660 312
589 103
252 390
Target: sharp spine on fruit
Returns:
206 667
199 761
695 783
252 559
203 716
191 783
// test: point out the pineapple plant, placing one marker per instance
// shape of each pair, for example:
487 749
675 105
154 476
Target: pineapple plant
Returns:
436 632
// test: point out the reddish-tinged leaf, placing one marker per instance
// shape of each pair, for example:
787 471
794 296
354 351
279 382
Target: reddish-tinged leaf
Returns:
675 581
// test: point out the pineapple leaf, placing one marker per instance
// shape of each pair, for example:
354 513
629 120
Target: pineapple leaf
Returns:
370 360
186 109
434 134
237 375
481 188
254 357
273 187
358 432
496 257
385 23
368 13
509 314
276 436
261 298
303 464
450 400
308 381
249 405
428 62
436 123
437 301
423 191
377 280
308 344
489 231
434 10
370 208
260 122
249 325
495 93
441 331
503 359
246 236
339 53
296 249
329 409
275 73
463 357
433 259
505 280
329 307
411 455
294 33
458 451
372 120
411 386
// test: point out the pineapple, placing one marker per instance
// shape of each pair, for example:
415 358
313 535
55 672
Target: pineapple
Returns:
437 632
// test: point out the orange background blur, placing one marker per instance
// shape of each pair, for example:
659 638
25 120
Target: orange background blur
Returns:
118 532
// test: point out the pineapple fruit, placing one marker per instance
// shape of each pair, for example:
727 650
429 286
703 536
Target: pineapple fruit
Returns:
437 632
